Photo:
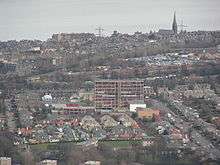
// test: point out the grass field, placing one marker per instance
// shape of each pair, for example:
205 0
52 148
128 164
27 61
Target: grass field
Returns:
121 143
111 143
43 146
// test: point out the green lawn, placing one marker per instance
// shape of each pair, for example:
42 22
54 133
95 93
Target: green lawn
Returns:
121 143
113 143
43 146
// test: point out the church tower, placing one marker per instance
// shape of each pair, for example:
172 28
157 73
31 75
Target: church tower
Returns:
174 26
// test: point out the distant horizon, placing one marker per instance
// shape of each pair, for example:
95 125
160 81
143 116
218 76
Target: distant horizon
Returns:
104 35
39 19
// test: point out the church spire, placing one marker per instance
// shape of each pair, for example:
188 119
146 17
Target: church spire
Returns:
174 26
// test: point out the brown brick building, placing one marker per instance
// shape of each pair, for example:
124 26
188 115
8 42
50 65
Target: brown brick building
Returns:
5 161
112 94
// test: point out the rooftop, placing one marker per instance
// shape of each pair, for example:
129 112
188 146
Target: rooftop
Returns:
5 158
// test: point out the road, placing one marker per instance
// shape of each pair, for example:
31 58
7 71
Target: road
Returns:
198 142
10 117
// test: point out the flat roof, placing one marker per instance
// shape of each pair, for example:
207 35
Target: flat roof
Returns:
48 160
5 158
137 102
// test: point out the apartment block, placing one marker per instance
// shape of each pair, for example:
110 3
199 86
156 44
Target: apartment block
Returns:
113 94
5 161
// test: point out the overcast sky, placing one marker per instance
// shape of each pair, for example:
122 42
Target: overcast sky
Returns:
39 19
